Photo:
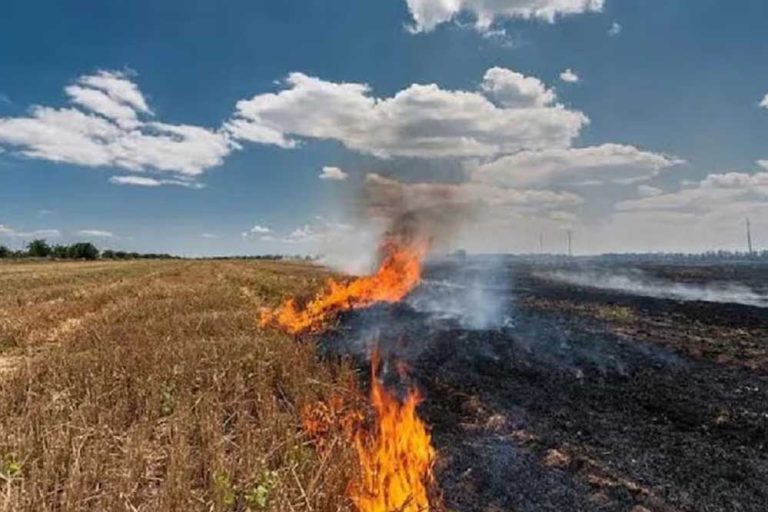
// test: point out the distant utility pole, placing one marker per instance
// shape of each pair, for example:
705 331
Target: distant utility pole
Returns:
570 251
541 243
749 238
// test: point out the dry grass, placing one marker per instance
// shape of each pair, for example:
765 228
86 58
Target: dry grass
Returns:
148 386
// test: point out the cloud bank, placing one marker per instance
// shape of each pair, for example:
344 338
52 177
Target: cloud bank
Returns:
423 121
428 14
111 125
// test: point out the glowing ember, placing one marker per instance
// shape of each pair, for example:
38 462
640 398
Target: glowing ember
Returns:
399 272
396 459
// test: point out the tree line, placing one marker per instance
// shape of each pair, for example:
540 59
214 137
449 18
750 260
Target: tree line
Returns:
78 251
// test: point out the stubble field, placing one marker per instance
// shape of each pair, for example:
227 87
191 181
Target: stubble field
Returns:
148 385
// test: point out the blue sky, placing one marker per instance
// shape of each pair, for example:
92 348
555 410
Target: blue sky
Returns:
668 159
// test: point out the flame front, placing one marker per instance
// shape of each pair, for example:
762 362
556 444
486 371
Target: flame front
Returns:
396 459
396 456
399 273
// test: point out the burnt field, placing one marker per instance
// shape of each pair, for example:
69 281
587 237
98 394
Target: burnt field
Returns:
573 387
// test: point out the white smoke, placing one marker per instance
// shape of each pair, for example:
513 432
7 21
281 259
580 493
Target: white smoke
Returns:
475 295
639 283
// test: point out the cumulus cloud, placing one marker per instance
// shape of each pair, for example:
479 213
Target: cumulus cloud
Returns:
715 193
333 174
427 14
569 76
146 181
96 233
764 102
702 216
648 191
419 121
595 164
111 125
9 232
615 29
516 90
256 230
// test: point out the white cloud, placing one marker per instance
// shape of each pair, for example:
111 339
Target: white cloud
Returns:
419 121
9 232
515 90
569 76
764 102
589 165
715 193
702 216
96 233
427 14
763 164
256 230
110 126
146 181
209 236
5 99
333 173
738 180
615 29
319 231
648 191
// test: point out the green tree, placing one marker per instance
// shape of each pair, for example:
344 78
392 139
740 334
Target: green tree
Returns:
83 251
4 252
59 251
38 249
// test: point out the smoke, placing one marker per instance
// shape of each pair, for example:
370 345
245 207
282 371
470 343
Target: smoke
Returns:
392 212
417 212
473 293
638 283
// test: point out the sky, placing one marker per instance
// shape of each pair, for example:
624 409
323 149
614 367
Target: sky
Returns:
217 128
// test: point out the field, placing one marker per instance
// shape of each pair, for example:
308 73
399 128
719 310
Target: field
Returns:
147 386
547 387
586 387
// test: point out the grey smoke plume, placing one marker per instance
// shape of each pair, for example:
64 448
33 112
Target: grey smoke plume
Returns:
638 283
429 211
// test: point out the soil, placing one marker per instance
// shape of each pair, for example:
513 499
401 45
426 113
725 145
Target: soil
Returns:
577 398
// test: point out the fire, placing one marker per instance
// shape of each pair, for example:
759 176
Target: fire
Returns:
399 273
396 459
396 456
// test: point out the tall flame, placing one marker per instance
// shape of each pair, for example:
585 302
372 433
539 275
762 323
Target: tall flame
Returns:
398 273
396 459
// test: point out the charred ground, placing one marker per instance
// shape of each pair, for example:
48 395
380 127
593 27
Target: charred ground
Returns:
567 397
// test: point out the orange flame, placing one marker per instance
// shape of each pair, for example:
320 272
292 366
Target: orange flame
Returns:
396 460
399 273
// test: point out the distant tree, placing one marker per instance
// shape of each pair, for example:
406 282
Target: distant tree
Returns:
108 254
83 251
4 252
38 249
60 251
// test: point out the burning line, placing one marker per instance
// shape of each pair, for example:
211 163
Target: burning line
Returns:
396 456
399 273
